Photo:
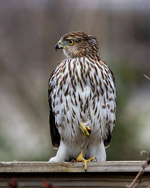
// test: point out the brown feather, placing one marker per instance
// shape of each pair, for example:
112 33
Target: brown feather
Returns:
55 136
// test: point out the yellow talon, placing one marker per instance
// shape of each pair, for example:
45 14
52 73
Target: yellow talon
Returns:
85 161
90 159
85 165
80 157
85 129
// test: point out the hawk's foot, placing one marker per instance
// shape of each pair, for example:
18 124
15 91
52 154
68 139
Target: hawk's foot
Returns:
80 158
85 129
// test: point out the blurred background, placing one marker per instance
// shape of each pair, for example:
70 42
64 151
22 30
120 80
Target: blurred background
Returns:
29 30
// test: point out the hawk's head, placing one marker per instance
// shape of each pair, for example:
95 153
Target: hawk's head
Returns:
78 44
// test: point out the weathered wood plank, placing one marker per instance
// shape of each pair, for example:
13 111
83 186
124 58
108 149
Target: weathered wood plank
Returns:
108 166
110 174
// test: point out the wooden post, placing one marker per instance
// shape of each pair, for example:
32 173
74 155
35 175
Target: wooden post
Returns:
99 174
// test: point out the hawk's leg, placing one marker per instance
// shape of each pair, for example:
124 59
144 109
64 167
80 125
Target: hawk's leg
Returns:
61 155
86 131
98 150
80 158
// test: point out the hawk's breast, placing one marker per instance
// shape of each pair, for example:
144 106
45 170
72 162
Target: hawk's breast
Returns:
83 91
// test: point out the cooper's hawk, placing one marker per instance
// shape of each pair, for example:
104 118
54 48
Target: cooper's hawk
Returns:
82 99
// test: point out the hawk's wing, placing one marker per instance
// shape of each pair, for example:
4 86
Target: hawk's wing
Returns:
55 136
107 140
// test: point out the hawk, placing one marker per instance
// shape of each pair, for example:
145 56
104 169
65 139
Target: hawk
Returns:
82 100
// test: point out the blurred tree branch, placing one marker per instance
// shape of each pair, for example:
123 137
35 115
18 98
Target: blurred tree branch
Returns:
139 175
147 77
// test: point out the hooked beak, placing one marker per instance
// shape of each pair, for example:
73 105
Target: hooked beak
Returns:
58 45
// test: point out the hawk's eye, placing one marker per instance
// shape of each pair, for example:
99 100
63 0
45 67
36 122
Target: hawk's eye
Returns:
70 42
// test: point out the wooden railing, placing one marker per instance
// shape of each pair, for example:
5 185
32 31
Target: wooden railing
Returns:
104 174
